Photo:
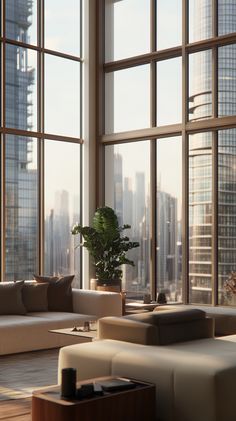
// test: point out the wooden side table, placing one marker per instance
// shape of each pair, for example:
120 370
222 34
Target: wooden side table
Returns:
136 404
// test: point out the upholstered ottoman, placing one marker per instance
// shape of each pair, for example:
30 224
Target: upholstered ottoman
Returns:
194 380
158 328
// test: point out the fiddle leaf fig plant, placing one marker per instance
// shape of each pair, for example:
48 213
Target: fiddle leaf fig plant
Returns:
106 244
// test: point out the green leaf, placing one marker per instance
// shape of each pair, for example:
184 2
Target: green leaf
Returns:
105 243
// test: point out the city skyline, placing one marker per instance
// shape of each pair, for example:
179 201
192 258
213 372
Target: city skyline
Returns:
127 198
211 196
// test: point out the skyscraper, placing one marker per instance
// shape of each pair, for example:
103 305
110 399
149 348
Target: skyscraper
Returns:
21 175
201 157
167 230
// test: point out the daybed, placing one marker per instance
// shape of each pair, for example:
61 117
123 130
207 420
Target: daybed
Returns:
195 379
30 331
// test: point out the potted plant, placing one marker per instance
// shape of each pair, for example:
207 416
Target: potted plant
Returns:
107 246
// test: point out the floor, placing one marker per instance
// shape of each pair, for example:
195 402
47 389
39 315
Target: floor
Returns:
16 410
20 374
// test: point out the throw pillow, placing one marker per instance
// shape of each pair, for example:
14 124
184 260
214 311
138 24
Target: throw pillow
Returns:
59 292
11 298
35 296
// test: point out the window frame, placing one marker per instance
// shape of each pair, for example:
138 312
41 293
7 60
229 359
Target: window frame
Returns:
40 133
184 129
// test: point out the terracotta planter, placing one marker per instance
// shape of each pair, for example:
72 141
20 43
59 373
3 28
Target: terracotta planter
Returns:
114 286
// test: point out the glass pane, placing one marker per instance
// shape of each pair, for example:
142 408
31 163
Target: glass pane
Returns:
127 183
62 208
127 102
226 211
21 197
169 79
169 23
226 17
62 96
200 20
62 26
200 85
226 80
169 218
200 217
127 28
21 88
21 20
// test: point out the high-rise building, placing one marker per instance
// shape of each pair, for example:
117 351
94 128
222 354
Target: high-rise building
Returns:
21 176
201 157
167 227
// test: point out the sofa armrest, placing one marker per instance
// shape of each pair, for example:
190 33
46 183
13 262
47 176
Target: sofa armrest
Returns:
96 303
127 330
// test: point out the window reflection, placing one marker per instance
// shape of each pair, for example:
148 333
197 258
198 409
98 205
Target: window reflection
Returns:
62 208
169 80
226 210
127 105
200 217
127 191
200 85
62 96
21 20
21 197
127 28
169 23
169 218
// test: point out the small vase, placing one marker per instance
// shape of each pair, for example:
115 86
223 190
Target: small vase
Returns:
93 284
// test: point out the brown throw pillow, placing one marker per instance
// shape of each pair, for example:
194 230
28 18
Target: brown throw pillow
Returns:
35 296
11 298
59 292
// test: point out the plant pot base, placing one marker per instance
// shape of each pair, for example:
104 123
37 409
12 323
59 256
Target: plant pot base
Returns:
110 287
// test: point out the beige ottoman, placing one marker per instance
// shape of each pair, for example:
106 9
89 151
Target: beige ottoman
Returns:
195 380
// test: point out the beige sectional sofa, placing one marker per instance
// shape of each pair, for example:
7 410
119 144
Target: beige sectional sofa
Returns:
20 333
195 377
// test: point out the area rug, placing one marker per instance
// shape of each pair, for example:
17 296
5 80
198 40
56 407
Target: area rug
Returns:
20 374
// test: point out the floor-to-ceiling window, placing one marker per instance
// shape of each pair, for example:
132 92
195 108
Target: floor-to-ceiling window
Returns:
169 134
41 136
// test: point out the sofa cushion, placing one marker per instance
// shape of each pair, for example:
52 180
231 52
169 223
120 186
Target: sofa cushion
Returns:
63 319
27 333
124 329
11 298
34 296
59 292
169 316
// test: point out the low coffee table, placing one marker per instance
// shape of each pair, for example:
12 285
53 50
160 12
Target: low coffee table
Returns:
135 305
80 333
136 404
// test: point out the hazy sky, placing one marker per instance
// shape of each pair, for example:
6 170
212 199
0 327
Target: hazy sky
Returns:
131 99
